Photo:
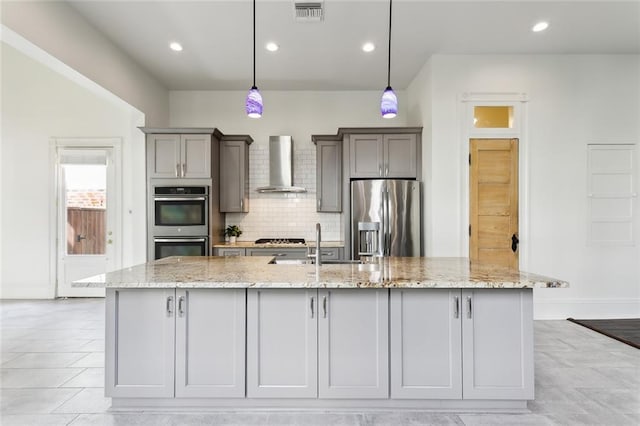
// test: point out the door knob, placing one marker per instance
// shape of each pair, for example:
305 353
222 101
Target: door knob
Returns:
80 238
514 243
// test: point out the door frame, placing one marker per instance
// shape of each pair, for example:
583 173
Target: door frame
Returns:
519 102
55 144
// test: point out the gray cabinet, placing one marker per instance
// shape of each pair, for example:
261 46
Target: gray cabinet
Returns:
328 253
469 344
210 344
234 175
426 345
307 343
282 343
139 343
285 253
353 346
223 251
183 343
497 337
329 176
174 155
384 155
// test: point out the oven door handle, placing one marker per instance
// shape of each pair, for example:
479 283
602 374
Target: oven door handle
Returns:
179 240
180 198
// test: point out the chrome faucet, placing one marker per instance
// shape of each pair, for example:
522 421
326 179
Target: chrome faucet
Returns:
318 255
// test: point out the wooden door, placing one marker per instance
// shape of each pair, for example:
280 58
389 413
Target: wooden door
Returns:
493 201
353 348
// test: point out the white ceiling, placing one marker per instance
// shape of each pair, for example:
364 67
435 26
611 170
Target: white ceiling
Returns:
217 38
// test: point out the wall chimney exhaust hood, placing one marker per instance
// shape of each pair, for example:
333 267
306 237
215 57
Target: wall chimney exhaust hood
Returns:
281 166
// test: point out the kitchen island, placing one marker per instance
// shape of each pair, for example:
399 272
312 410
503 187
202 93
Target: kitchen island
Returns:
242 333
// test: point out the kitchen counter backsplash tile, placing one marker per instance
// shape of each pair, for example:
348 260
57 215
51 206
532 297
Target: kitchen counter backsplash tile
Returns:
256 272
285 216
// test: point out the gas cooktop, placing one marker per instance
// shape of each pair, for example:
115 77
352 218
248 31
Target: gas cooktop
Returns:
280 241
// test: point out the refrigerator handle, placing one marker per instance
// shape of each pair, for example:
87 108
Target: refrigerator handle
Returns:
387 224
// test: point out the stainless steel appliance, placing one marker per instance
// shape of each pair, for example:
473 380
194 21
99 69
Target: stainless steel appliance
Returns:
188 246
385 218
180 211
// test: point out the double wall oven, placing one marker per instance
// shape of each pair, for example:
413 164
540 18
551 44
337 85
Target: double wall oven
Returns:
180 221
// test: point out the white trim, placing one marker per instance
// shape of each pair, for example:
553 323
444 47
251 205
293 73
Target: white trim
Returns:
518 100
115 145
545 309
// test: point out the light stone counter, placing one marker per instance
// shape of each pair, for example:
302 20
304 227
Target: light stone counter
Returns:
257 272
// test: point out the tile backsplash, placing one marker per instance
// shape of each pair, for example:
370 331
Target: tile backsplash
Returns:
284 215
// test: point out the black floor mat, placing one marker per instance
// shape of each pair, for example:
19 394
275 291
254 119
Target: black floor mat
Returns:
624 330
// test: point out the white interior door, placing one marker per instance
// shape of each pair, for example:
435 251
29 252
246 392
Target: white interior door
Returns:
86 218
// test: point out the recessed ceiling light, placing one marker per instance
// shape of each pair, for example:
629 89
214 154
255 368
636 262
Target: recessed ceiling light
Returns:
368 47
174 45
272 47
540 26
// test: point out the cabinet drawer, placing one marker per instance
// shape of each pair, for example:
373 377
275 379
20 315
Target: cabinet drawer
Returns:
229 251
287 253
329 253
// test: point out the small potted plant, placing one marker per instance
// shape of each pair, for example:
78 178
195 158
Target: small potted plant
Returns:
233 232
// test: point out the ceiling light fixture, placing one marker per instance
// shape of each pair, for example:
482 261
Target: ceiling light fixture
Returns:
389 102
253 104
540 26
368 47
175 46
271 46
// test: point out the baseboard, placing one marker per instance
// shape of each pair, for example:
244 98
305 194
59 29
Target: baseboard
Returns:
26 293
544 309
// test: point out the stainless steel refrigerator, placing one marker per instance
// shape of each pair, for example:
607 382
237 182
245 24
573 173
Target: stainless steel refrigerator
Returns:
385 218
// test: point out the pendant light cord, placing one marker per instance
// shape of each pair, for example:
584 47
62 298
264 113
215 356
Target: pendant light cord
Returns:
389 61
254 43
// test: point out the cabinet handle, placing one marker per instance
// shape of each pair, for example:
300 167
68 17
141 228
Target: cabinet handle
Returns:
241 204
386 170
324 306
184 169
327 253
180 306
319 202
380 170
312 300
178 170
456 307
469 305
169 306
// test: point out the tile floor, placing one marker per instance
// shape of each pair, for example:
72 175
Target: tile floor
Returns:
51 373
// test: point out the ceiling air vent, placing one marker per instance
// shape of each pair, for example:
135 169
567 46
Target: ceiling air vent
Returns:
308 11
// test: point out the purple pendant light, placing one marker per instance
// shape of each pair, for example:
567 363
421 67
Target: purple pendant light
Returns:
254 99
389 102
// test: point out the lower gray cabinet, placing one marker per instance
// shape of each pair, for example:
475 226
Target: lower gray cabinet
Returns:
282 338
308 343
469 344
426 345
167 342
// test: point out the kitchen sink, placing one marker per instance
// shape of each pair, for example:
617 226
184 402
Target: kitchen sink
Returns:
277 261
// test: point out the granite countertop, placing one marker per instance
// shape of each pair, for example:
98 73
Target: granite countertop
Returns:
251 244
256 272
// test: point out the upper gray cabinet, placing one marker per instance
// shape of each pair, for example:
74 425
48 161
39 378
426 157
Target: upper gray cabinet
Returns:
384 155
234 174
175 155
328 175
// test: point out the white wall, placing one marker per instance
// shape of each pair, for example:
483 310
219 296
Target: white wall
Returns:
574 101
296 113
39 104
58 29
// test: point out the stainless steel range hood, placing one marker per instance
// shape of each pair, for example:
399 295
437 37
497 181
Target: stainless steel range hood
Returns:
281 166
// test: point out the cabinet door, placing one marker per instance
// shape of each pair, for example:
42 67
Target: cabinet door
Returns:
329 176
195 156
366 156
139 342
282 343
497 333
163 156
400 156
426 358
229 251
353 335
210 336
234 179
